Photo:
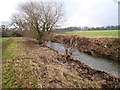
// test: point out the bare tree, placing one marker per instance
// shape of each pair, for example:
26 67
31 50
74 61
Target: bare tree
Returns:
39 16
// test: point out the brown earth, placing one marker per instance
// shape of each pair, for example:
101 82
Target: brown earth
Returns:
53 71
108 47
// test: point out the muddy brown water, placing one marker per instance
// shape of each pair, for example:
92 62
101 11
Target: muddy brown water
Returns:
102 64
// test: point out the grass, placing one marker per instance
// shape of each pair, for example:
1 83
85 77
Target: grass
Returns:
14 72
7 68
3 39
96 33
10 50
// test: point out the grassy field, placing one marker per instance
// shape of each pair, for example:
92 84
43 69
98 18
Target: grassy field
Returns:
96 33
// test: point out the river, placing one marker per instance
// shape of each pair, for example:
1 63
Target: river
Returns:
101 64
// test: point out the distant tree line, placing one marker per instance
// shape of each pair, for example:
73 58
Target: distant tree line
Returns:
6 32
93 28
106 28
9 32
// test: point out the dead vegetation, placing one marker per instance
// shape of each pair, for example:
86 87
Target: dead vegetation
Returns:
41 67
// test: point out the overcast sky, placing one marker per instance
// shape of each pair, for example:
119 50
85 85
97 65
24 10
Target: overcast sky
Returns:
78 12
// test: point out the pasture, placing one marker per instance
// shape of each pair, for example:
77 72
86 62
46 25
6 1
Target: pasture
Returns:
95 33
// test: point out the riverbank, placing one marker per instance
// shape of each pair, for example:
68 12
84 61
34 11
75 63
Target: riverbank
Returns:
37 66
107 47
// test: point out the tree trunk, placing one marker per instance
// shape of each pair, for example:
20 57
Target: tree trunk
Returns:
40 39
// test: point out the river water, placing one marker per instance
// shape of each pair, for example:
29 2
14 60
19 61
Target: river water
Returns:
101 64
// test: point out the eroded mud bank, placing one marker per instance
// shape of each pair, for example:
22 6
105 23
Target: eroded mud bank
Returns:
108 47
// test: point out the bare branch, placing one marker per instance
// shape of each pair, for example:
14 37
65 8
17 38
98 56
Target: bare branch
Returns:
39 16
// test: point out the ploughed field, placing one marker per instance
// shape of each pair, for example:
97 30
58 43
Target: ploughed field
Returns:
27 64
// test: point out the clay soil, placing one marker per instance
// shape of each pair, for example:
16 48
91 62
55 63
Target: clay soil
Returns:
51 70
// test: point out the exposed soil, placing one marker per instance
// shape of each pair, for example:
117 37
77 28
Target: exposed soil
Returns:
108 47
52 70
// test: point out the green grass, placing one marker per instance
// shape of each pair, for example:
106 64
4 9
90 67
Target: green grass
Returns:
3 39
7 67
12 69
96 33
